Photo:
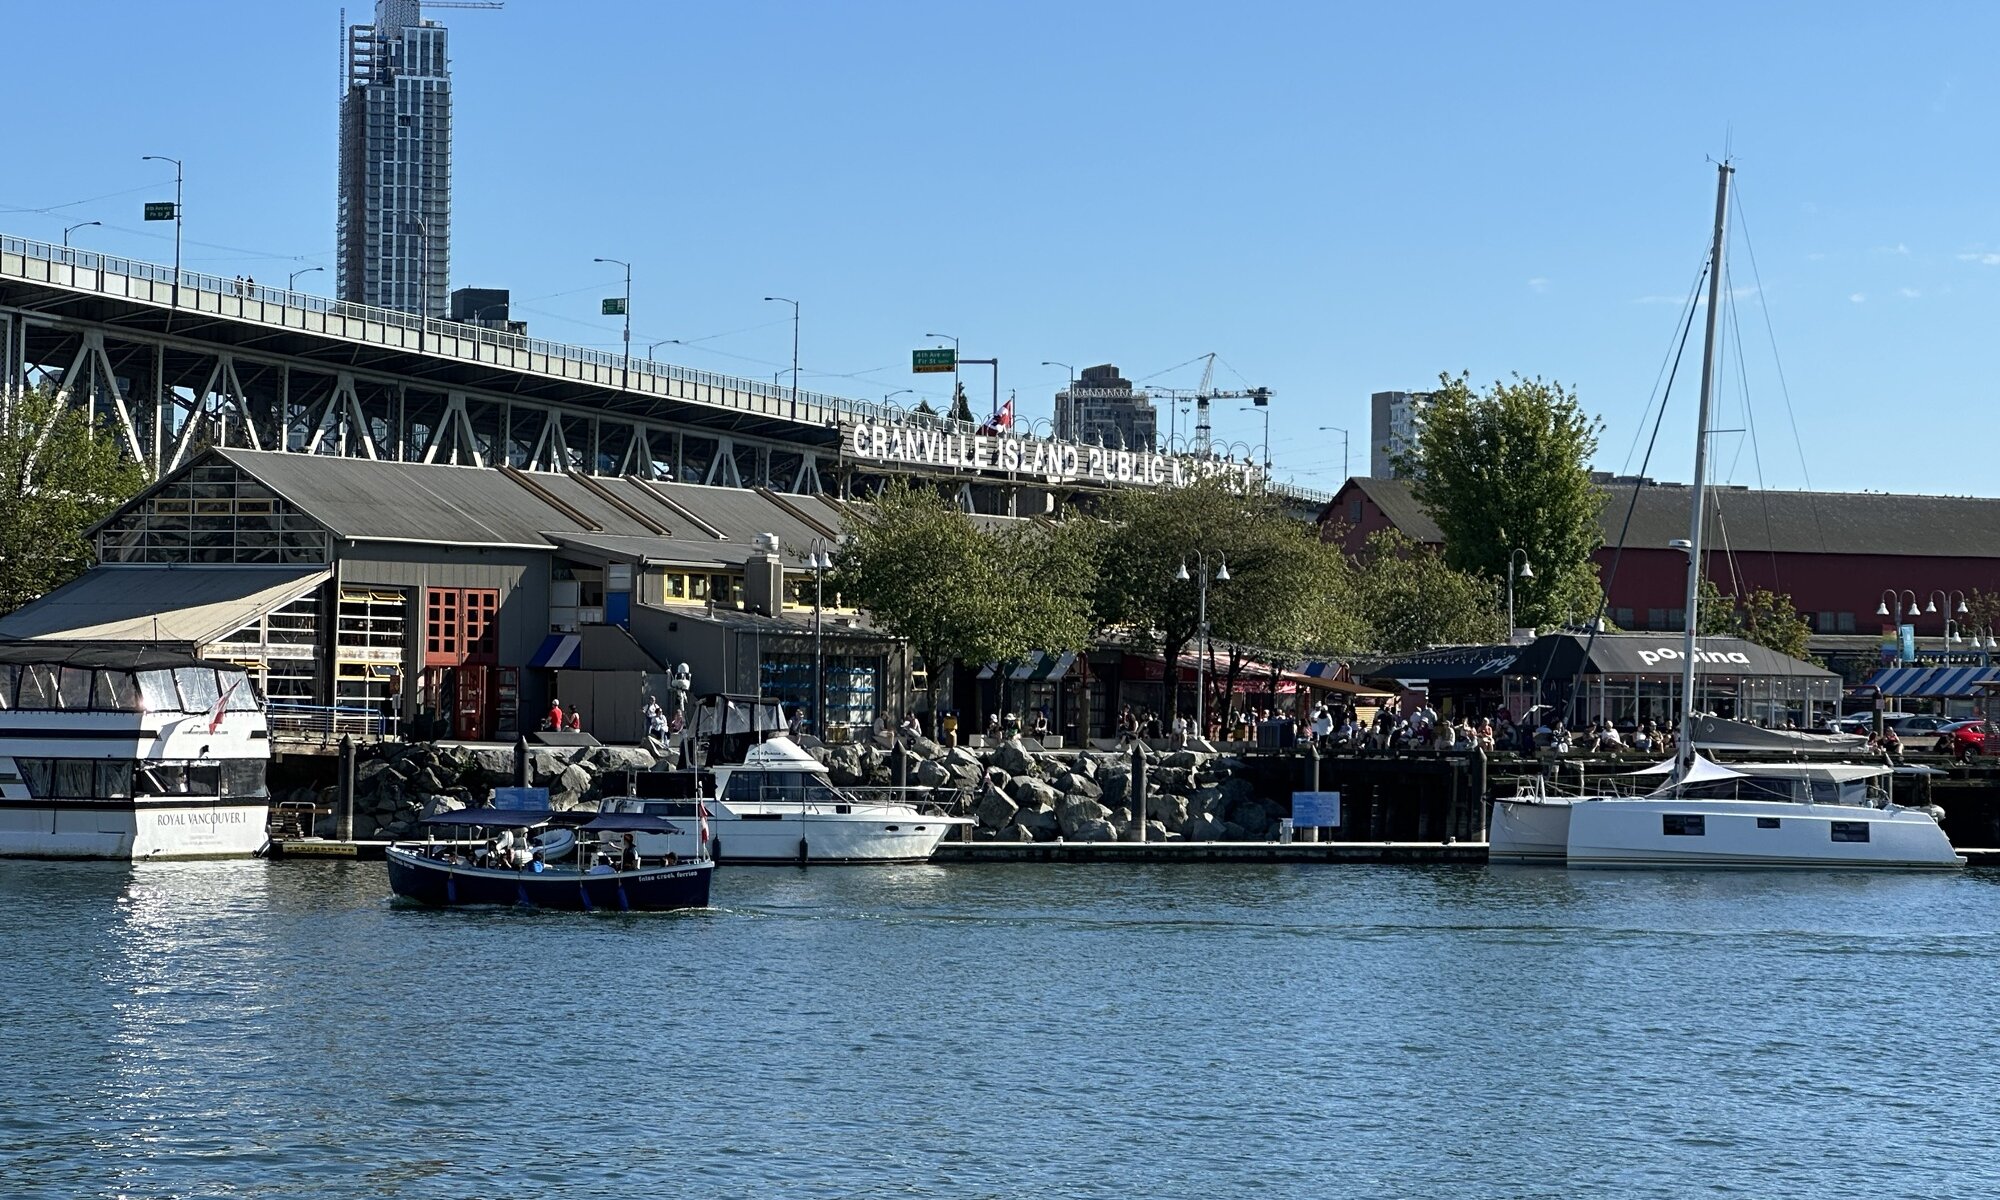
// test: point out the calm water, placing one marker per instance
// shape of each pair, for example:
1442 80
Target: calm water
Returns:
281 1030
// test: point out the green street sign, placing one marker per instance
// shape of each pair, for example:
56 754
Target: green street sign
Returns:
162 211
924 362
614 307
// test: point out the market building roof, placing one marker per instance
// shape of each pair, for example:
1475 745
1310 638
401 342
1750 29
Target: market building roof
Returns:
123 603
1751 521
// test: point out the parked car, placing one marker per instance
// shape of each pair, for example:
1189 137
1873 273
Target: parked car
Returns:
1864 723
1960 738
1914 730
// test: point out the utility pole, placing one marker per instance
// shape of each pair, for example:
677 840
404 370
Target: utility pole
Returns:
795 350
177 219
625 310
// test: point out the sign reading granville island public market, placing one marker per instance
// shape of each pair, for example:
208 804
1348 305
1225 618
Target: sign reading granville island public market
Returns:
1064 462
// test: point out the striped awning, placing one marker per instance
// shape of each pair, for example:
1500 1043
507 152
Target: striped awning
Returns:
1040 667
1934 681
558 652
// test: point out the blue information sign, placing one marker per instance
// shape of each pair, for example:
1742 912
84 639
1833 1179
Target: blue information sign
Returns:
1315 810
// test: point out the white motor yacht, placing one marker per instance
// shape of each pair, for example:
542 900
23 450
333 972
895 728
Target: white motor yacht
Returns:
773 802
128 752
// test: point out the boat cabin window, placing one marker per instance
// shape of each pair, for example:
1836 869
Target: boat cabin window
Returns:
1683 824
73 687
156 692
790 787
243 777
39 687
1848 831
197 688
117 691
114 780
1748 787
177 779
1767 822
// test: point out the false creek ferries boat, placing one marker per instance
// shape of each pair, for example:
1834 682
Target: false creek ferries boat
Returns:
775 803
128 752
440 877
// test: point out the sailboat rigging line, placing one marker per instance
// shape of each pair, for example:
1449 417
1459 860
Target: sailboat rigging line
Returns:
1671 369
1784 388
1756 455
1672 356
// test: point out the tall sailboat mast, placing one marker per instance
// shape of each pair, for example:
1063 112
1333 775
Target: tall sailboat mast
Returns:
1698 493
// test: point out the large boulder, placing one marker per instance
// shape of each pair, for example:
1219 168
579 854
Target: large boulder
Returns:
1114 787
1099 830
1040 823
604 760
958 758
1208 801
1203 828
995 810
934 775
1168 809
494 767
545 767
1012 757
1184 758
924 748
1030 792
569 787
1072 784
1077 811
433 805
1171 779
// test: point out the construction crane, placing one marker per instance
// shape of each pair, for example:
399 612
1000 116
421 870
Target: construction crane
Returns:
1261 397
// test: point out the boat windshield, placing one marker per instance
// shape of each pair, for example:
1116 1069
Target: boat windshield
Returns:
783 787
1867 792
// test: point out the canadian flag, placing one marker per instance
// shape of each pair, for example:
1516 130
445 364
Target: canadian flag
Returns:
701 835
1002 421
222 705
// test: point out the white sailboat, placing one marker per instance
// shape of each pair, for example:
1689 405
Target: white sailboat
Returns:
1704 814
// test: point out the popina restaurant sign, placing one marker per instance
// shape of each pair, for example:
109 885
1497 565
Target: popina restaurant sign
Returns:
1064 462
1673 654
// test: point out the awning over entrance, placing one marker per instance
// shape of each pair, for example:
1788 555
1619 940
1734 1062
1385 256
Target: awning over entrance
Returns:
1559 655
192 605
1934 681
558 652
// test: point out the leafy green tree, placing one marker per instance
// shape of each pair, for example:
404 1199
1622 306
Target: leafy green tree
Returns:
926 573
961 408
59 475
1765 617
1278 592
1508 469
924 407
1410 597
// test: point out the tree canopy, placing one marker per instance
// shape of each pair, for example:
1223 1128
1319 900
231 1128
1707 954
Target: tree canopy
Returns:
58 476
1763 616
925 572
1509 469
1409 597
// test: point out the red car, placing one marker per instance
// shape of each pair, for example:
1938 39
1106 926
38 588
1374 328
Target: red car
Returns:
1961 738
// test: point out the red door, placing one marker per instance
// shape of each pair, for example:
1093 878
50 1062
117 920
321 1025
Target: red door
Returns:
461 650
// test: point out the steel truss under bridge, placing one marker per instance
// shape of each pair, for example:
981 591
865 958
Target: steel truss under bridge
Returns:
175 365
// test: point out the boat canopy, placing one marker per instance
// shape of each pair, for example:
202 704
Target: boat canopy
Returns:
781 753
492 818
1703 771
618 822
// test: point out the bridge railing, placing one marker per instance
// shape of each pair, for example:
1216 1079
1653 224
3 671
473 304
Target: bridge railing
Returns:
88 270
106 274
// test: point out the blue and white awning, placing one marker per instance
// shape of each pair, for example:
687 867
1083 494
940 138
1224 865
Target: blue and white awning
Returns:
1934 681
558 652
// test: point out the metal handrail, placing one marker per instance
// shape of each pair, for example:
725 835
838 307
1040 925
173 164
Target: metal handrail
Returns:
326 722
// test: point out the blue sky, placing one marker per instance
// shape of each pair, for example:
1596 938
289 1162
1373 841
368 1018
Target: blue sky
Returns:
1335 199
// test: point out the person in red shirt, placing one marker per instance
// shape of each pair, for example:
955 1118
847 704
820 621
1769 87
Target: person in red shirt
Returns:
576 722
555 715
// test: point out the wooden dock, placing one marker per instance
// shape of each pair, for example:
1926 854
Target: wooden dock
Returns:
1204 852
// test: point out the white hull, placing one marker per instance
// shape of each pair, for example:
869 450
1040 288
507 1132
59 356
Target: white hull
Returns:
191 828
879 836
1619 832
1530 831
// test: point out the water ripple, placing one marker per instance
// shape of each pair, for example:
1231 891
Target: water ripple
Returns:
275 1030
